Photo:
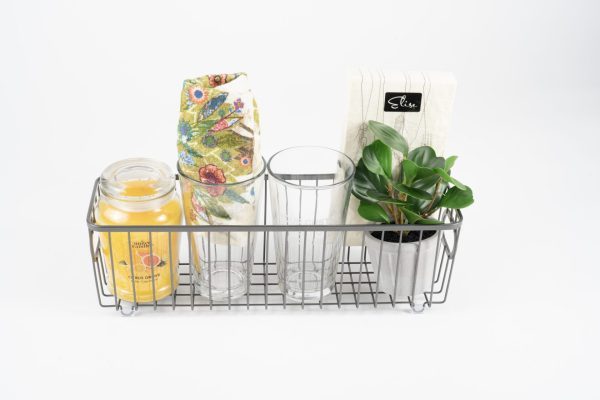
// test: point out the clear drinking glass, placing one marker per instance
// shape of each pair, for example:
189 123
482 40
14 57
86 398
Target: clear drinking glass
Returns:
222 261
309 186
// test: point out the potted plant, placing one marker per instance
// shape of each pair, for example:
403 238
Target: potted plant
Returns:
409 192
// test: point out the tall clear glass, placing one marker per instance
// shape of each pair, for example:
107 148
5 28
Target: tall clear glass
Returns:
222 261
309 186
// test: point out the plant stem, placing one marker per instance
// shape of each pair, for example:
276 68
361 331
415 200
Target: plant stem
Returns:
401 197
393 208
428 210
390 209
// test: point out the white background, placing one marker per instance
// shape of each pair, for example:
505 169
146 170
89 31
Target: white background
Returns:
84 84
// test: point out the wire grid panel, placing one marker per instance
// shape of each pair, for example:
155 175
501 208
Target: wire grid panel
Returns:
356 278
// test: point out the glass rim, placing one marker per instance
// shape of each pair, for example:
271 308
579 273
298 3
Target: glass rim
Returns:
230 184
311 187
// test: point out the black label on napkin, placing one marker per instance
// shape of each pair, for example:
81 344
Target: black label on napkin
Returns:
402 102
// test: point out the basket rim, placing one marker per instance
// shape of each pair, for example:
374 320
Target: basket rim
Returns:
94 227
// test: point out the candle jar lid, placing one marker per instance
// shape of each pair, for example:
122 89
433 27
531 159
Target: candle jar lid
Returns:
137 180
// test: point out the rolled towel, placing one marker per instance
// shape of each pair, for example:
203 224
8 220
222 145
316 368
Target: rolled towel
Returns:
219 154
218 133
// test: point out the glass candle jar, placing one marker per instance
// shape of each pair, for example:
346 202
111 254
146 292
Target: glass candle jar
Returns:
142 266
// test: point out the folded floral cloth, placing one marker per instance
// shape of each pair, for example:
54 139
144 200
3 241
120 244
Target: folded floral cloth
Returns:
219 151
218 133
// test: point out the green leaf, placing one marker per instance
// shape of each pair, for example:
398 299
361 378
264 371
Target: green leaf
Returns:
422 155
410 215
424 172
397 202
365 179
434 206
449 163
413 192
427 184
376 195
361 178
383 198
389 136
377 157
373 212
409 171
457 198
437 162
412 172
362 195
448 179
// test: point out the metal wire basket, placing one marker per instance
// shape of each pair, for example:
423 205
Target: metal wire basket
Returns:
356 284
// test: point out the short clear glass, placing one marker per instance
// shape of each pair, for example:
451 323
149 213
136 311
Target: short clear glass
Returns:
222 261
309 186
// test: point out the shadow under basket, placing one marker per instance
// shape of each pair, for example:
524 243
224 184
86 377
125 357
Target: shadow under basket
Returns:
376 274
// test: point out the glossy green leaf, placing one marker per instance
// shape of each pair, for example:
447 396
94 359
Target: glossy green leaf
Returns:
447 178
424 172
436 204
389 136
413 192
384 198
427 184
373 212
449 163
362 180
377 157
422 156
437 162
361 194
368 180
411 172
457 198
410 215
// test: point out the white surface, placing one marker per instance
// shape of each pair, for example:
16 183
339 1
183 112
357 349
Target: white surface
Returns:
84 84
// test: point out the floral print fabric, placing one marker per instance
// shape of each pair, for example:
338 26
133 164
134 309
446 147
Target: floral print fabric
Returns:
218 146
218 129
